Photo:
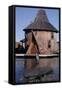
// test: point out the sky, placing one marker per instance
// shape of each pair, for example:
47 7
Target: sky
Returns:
24 16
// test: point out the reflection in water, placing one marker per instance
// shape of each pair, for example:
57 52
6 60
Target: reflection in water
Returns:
19 70
49 62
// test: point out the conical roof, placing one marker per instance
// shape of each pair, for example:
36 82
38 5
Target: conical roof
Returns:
41 23
41 16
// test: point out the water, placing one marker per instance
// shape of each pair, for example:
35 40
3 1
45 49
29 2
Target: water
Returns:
19 70
53 62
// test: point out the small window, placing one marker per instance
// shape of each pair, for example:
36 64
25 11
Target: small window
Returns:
52 35
49 44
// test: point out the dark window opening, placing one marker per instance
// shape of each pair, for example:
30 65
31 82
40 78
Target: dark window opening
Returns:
52 35
49 44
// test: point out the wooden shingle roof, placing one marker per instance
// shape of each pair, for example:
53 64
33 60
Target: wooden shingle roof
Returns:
41 23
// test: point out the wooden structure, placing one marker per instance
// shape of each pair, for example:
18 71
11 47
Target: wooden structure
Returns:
18 45
23 42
